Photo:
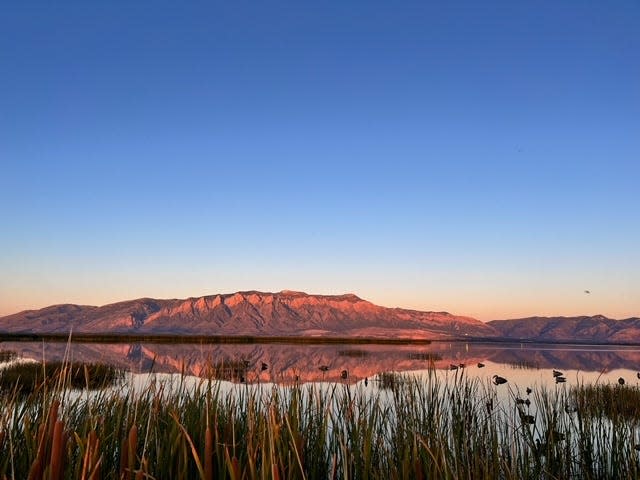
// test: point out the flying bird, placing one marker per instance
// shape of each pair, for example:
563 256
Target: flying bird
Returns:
587 292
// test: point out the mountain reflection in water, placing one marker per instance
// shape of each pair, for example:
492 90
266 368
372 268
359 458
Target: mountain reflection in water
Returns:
344 362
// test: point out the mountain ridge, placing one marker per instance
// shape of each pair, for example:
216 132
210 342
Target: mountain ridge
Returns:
291 313
582 328
251 312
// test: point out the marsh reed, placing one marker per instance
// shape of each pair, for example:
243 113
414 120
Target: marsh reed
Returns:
410 427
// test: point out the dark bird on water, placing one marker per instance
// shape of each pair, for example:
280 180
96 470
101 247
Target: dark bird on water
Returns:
529 391
498 380
481 365
453 367
344 374
561 379
264 366
323 368
528 419
621 381
557 373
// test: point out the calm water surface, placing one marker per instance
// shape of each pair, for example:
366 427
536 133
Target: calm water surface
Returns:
523 365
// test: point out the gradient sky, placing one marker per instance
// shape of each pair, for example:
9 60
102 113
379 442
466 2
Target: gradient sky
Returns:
477 157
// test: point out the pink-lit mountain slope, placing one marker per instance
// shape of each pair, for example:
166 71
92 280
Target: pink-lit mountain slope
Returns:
251 313
596 329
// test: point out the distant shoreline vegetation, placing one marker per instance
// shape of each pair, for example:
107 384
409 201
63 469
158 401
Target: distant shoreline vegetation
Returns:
256 339
176 338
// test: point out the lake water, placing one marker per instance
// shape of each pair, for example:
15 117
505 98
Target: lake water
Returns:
523 365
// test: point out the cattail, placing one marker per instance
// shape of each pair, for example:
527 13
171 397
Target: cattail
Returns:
417 468
275 473
35 472
90 462
208 454
124 457
53 416
236 468
57 450
133 446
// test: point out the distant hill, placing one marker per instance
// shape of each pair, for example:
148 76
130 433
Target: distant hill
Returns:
252 313
596 329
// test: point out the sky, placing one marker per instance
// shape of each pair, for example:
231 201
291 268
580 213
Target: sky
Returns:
481 158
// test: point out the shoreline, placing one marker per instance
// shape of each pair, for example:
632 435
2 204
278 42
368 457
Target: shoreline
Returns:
276 339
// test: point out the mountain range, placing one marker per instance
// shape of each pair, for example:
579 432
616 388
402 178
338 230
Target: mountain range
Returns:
297 314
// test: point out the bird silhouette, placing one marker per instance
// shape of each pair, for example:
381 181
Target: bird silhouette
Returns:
344 374
453 367
481 365
264 366
557 373
621 381
323 368
527 419
587 292
498 380
529 391
560 379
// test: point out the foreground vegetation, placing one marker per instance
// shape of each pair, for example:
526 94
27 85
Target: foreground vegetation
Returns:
398 427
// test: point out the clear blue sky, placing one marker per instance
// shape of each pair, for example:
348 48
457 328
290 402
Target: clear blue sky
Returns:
476 157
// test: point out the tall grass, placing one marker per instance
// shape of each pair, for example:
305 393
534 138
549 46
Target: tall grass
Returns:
407 427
